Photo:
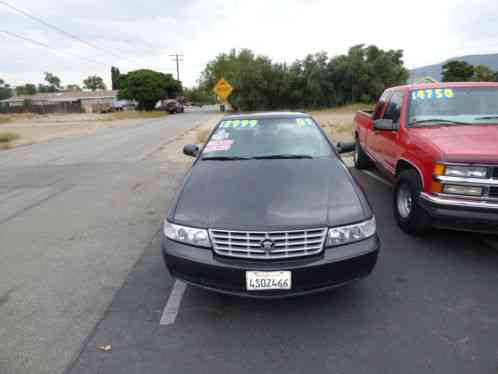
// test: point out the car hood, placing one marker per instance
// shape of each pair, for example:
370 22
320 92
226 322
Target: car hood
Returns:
463 143
269 194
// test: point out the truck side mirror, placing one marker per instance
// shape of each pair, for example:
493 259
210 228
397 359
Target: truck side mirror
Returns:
345 147
191 150
384 125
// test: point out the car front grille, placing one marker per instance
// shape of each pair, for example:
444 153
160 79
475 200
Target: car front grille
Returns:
279 244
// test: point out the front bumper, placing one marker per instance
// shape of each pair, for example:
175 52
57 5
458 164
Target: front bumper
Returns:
455 213
331 268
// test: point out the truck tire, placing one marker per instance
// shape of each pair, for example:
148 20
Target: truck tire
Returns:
361 159
409 215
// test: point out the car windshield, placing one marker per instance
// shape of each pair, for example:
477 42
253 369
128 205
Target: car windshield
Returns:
454 106
272 138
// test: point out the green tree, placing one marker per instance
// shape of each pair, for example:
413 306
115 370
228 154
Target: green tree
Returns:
73 88
27 89
198 95
457 71
148 87
5 90
115 77
94 83
316 81
483 73
43 88
53 81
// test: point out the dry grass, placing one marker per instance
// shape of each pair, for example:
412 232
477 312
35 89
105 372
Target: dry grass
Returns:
4 119
116 116
338 122
346 109
7 137
202 134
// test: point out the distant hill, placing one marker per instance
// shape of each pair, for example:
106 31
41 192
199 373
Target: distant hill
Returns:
435 71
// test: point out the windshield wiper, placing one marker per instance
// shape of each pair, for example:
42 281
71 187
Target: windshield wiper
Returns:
439 121
225 158
281 156
486 117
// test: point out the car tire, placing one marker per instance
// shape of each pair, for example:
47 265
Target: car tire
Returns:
361 159
409 215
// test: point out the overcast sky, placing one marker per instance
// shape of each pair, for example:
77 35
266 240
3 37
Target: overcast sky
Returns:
142 34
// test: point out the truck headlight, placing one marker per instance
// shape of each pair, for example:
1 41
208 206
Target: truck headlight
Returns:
466 171
351 233
189 235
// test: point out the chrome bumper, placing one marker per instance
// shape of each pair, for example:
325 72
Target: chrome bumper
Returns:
445 202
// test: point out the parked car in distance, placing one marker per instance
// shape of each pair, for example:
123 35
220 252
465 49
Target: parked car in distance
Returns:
124 105
173 106
439 144
269 209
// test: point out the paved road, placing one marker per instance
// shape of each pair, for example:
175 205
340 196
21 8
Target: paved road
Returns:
429 307
75 216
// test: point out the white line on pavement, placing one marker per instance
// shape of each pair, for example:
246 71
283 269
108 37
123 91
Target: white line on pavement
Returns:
376 177
173 305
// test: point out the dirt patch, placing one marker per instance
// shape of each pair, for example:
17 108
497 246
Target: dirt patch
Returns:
173 151
338 122
33 128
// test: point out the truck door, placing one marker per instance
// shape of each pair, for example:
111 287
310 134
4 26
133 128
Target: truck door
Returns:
372 138
387 141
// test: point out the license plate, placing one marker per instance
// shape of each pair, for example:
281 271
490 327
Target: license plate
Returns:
268 280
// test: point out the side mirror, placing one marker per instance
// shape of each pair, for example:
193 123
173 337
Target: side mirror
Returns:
191 150
345 147
384 125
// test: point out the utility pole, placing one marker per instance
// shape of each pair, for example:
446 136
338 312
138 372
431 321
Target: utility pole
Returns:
177 58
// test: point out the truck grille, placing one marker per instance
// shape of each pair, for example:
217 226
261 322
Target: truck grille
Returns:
495 172
279 244
493 192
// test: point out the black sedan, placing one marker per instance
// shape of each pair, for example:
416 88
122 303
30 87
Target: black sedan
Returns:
269 209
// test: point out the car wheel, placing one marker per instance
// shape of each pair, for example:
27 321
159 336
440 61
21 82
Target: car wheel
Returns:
409 215
361 159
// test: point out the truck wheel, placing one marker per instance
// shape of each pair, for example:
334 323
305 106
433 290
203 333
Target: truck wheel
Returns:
409 215
361 159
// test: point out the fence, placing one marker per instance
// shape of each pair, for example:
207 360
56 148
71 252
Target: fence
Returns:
61 107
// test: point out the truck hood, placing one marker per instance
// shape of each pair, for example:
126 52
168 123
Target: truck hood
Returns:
269 195
463 143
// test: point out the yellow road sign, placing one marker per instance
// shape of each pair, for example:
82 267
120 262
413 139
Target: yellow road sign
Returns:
223 89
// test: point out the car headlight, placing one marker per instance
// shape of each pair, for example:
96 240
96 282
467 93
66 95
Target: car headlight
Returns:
351 233
189 235
466 171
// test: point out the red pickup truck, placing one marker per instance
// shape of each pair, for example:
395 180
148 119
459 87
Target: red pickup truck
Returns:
438 143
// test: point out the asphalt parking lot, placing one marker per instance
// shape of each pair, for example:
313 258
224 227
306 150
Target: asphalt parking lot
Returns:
429 307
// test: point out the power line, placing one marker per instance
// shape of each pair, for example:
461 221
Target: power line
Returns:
61 31
50 47
177 58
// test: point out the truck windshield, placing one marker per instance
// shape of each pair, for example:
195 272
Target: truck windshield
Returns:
267 138
459 106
